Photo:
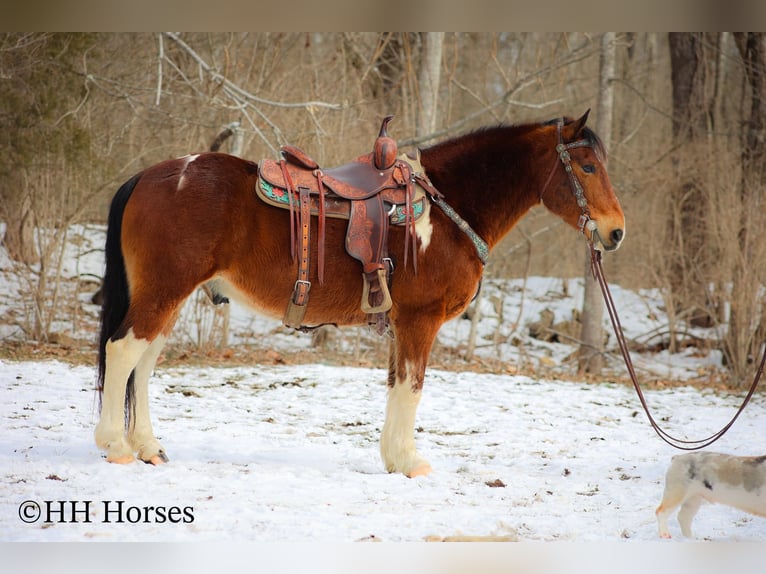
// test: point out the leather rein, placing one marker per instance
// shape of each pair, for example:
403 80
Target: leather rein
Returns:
598 274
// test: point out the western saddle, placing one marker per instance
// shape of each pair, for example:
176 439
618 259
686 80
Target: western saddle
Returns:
371 192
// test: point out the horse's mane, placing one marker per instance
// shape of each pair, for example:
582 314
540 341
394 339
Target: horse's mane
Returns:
502 128
488 134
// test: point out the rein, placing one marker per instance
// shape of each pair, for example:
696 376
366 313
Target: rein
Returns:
598 274
482 249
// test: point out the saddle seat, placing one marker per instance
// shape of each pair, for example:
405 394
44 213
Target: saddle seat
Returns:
372 192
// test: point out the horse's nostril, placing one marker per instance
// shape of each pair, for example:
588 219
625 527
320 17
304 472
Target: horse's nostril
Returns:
616 235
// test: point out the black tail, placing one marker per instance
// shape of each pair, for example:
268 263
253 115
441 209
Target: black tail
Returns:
116 297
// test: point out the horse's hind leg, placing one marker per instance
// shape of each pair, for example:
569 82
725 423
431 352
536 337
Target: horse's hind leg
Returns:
140 433
122 356
135 352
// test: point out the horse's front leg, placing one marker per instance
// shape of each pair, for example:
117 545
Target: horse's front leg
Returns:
409 355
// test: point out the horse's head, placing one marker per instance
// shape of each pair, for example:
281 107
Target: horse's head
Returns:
577 188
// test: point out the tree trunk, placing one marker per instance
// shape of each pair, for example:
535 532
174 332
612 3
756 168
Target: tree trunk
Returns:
428 81
693 61
746 328
19 237
590 358
236 146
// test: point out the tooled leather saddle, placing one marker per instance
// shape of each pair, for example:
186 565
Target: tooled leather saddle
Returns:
372 192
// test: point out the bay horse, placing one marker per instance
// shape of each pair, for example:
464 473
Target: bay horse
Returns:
186 222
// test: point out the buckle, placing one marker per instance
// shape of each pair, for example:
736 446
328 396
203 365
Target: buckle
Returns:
302 282
584 218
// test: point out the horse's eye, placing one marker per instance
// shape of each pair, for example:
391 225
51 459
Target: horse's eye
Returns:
589 168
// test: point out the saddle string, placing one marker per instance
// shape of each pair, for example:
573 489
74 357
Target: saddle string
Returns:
293 214
409 225
321 231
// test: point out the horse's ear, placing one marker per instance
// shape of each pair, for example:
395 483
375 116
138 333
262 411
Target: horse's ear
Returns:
581 122
573 130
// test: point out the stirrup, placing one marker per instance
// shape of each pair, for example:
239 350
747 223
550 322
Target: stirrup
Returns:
383 282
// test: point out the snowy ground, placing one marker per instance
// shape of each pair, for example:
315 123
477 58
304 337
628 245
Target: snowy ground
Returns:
289 453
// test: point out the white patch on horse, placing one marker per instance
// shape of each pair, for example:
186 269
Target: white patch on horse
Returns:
423 227
188 159
224 287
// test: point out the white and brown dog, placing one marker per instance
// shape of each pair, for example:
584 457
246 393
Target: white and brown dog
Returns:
738 481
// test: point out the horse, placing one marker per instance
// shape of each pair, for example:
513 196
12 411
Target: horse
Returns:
196 221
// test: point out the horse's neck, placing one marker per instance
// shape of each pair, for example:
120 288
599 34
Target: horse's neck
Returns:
489 189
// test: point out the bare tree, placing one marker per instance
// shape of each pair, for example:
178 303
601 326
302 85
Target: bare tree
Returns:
747 327
590 358
82 112
39 92
428 81
693 59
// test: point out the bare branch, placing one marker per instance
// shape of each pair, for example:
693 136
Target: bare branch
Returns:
234 88
160 57
575 55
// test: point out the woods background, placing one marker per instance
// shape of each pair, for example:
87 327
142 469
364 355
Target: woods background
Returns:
682 115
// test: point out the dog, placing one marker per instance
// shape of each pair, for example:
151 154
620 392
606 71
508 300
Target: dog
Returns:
738 481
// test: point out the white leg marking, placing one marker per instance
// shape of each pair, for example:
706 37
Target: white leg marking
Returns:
397 441
121 358
141 435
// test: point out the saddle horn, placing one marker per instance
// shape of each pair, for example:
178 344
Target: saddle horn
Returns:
385 149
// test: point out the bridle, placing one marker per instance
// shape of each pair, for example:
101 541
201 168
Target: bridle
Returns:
585 222
562 153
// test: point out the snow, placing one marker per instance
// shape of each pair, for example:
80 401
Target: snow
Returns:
289 452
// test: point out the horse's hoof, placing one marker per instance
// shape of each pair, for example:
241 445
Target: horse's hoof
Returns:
122 459
158 459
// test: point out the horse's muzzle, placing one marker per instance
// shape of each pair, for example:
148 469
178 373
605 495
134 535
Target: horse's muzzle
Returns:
611 242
